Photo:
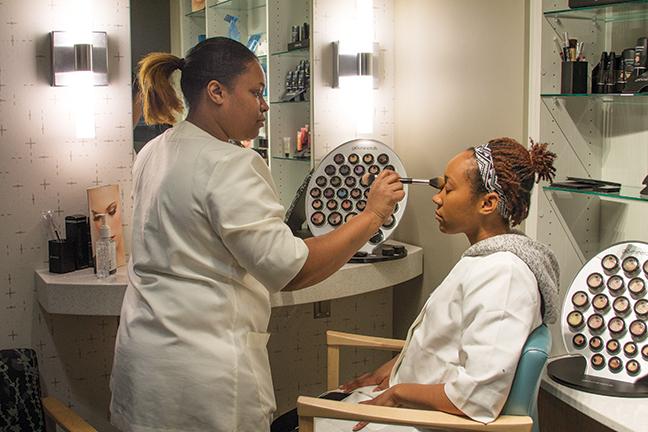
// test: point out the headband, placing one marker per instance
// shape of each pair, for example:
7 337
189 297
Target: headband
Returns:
489 177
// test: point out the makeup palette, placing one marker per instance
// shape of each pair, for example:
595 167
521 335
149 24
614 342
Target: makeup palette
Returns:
338 188
604 324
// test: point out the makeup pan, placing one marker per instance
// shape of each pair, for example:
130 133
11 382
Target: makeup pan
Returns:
616 325
596 322
615 284
575 319
641 308
630 349
633 367
615 364
610 263
630 264
338 188
580 299
598 361
579 340
596 343
595 281
600 302
612 346
621 305
638 329
644 352
637 286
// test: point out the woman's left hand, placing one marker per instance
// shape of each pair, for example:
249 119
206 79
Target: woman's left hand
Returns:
387 398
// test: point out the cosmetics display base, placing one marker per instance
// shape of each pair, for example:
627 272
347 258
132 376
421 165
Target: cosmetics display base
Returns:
338 189
384 252
603 324
570 371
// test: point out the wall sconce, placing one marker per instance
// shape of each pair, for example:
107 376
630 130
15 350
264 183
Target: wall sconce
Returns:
81 63
360 64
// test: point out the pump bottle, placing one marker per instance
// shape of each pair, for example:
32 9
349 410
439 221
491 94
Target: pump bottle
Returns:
106 260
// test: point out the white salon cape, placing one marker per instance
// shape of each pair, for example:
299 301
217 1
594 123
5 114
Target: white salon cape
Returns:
209 246
468 336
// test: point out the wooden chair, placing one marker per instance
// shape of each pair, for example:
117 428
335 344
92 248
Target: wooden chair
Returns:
21 405
518 415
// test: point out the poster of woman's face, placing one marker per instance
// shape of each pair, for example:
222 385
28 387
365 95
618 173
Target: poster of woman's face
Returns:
105 200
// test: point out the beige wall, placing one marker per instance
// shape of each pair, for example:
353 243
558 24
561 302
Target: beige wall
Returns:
460 80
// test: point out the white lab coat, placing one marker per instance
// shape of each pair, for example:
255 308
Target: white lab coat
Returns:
209 245
469 335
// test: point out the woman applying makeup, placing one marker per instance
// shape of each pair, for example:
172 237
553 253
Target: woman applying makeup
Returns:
462 350
209 246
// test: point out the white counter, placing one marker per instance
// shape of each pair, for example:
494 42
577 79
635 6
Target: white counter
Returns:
81 293
619 414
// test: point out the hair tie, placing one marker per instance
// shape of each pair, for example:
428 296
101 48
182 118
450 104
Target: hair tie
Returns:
489 177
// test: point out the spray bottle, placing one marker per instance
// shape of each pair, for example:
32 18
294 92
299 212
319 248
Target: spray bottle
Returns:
106 250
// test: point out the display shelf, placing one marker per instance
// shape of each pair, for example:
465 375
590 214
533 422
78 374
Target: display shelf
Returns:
288 102
619 12
298 51
81 293
238 4
196 14
619 98
630 193
293 158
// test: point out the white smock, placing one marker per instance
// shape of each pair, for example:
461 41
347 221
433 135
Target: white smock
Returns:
468 336
209 246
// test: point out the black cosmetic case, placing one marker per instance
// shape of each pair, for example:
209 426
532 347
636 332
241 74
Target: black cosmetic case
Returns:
582 3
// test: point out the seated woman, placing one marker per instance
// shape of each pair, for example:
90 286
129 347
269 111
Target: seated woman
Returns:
462 350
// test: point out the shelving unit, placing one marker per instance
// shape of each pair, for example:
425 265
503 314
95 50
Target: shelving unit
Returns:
600 136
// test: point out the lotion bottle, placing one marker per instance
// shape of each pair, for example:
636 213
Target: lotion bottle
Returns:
106 251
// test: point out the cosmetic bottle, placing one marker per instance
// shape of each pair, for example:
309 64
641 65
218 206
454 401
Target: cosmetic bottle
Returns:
610 75
641 55
598 85
106 251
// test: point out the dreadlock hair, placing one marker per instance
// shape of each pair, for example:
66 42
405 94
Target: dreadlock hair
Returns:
219 58
516 169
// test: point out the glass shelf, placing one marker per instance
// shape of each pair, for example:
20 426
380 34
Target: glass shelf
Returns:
636 10
292 158
630 193
298 51
289 102
263 57
239 4
196 14
637 98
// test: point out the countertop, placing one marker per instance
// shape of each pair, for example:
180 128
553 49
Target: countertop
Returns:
81 293
617 413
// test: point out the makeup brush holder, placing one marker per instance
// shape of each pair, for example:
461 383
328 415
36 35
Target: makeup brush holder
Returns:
573 77
337 192
603 323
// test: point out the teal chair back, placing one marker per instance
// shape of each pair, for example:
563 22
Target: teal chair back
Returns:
523 398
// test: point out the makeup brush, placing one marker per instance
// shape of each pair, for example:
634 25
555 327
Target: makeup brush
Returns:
435 182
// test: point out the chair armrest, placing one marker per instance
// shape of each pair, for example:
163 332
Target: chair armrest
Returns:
309 407
64 416
337 338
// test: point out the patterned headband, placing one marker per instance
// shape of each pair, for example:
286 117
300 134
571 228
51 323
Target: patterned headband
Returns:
489 177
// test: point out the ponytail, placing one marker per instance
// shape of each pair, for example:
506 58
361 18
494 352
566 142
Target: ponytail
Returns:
542 161
161 103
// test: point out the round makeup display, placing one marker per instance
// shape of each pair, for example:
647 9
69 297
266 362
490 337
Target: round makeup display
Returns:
598 361
575 319
600 302
633 367
580 299
595 281
596 343
637 286
616 325
596 322
615 284
630 349
621 305
615 363
630 264
641 308
638 329
610 262
579 340
341 183
612 346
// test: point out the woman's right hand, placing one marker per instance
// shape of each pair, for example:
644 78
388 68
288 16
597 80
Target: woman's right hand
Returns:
379 377
386 190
